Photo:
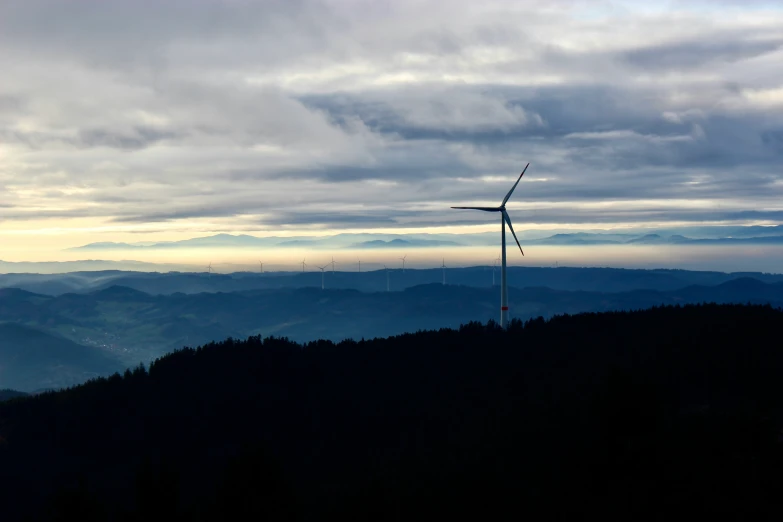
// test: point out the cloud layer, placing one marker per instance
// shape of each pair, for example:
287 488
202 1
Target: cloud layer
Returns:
346 114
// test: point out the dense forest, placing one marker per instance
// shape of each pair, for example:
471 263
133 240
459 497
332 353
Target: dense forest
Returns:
646 415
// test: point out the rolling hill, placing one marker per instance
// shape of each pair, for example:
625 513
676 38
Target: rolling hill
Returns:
129 326
31 359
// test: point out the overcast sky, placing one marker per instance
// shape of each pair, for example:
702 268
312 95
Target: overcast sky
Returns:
146 120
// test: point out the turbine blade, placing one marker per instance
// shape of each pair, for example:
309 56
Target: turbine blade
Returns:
508 221
515 186
485 209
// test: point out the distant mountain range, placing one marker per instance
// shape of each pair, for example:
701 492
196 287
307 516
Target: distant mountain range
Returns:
351 241
57 340
692 235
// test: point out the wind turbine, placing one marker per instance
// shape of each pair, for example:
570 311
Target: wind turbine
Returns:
209 270
360 264
332 263
303 265
322 274
262 266
387 277
403 262
504 219
444 270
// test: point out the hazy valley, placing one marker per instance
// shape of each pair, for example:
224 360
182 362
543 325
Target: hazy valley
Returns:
75 326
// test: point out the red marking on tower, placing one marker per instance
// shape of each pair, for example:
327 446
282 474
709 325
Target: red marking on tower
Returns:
504 307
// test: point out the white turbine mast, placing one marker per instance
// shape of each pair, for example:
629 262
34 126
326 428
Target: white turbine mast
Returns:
504 220
443 266
332 263
303 265
403 262
209 270
322 274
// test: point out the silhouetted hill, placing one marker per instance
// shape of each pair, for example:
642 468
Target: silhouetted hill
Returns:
648 239
669 412
32 359
11 394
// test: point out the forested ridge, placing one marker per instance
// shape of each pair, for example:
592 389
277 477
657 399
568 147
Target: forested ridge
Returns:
639 415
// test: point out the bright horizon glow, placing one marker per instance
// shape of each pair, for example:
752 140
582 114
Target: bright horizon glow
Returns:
709 257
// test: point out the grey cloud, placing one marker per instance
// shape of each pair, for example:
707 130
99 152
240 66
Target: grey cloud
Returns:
340 219
698 53
606 129
227 110
34 214
197 212
122 34
137 138
519 218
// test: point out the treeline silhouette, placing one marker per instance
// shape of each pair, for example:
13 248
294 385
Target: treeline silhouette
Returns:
648 415
6 394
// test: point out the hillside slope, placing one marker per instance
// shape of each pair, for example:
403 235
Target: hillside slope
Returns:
635 415
31 359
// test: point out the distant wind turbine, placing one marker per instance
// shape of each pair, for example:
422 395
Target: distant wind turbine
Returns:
262 266
444 270
303 265
332 263
504 219
322 274
360 265
403 262
209 270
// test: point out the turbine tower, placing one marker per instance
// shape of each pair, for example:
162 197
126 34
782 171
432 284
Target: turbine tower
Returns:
262 266
322 274
303 265
209 270
360 264
504 219
403 262
444 270
332 263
